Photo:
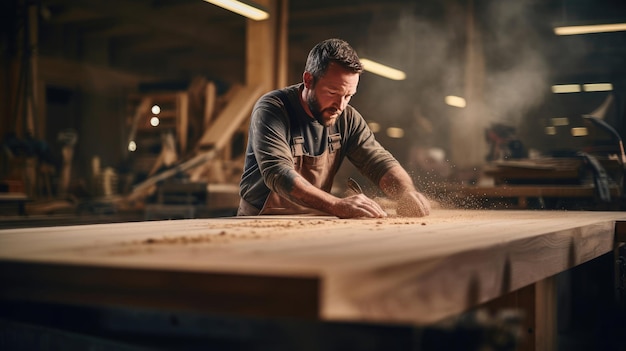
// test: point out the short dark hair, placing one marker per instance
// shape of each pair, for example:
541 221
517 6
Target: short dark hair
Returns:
332 50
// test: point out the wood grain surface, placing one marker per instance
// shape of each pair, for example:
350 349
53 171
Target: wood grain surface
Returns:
401 270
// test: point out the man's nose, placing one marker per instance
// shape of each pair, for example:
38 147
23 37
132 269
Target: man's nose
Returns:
343 102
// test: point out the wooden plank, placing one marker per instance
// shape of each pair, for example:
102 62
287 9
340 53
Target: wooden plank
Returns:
398 270
231 117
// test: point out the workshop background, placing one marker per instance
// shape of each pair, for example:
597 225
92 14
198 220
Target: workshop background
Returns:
119 111
139 109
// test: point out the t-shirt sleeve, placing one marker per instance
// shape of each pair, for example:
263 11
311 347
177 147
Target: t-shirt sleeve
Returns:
269 136
364 151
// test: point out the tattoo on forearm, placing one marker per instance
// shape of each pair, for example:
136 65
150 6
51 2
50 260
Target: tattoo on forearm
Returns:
288 185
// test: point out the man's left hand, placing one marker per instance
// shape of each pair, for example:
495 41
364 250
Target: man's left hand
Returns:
413 204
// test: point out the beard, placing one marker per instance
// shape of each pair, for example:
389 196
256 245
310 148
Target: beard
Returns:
318 113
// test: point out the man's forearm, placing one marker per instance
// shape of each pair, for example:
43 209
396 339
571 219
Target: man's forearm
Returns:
297 189
395 182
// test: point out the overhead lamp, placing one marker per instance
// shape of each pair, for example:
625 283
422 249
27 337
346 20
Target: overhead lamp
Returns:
382 70
566 88
395 132
560 121
598 87
254 12
587 29
374 126
455 101
579 132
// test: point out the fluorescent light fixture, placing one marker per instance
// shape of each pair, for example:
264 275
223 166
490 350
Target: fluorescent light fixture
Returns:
560 121
455 101
566 88
595 28
382 70
395 132
374 127
550 130
252 12
598 87
579 131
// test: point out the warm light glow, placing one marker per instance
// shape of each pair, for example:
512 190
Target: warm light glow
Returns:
580 131
560 121
566 88
455 101
252 12
550 131
154 121
394 132
382 70
374 127
595 28
598 87
156 109
132 146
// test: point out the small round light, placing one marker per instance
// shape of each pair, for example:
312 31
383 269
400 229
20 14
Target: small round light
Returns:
156 109
132 146
154 121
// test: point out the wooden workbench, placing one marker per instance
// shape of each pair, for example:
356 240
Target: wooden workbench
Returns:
396 270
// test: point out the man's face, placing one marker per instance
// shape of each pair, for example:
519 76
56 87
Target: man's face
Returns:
330 95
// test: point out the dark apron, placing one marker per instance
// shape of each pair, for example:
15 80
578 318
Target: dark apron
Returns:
318 170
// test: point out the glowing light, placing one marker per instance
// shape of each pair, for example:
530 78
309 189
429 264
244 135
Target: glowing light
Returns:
580 131
382 70
595 28
156 109
598 87
566 88
550 131
132 146
455 101
374 127
241 8
560 121
394 132
154 121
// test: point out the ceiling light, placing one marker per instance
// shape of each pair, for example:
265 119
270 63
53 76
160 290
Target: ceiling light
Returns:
382 70
598 87
253 12
455 101
395 132
566 88
595 28
560 121
579 131
156 109
374 127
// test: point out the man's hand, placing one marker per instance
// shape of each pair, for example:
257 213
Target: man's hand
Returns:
357 206
413 204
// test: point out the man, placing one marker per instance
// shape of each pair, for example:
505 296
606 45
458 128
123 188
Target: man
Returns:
299 136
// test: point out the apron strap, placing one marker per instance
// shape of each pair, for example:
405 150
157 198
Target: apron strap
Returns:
297 141
334 142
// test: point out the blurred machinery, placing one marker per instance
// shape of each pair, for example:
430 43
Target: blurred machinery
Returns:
186 148
581 167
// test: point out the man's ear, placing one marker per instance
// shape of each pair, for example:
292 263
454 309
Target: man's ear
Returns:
308 80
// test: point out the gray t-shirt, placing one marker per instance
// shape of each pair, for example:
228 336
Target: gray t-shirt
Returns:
269 155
